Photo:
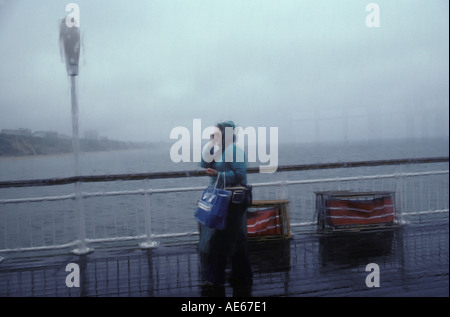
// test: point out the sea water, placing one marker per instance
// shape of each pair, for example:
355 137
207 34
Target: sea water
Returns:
53 222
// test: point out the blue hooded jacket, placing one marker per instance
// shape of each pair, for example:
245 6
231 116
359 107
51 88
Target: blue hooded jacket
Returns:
233 238
233 162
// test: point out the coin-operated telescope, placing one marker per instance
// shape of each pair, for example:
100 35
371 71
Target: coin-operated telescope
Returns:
70 44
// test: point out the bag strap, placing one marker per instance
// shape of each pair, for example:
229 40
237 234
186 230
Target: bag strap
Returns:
217 180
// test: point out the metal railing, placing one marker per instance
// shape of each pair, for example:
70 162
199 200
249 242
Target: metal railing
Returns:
49 222
417 258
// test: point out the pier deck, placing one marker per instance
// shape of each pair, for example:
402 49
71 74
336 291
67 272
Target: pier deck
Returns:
413 261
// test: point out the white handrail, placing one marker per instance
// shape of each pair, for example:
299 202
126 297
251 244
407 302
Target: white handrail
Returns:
297 220
199 188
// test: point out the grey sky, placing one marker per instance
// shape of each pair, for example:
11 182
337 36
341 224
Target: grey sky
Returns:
311 68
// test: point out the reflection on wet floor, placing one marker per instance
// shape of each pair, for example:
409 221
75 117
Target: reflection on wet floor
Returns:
412 261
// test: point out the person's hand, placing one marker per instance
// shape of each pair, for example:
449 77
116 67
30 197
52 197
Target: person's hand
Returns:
211 172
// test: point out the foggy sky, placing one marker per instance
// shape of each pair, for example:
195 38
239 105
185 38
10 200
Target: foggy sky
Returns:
311 68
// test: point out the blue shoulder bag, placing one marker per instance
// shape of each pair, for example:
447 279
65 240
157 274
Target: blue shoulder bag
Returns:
212 208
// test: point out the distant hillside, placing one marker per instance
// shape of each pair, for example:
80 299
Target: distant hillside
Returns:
21 145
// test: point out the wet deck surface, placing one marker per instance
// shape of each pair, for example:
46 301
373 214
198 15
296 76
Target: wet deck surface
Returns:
413 261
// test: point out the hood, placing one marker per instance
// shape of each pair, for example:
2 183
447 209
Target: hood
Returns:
225 124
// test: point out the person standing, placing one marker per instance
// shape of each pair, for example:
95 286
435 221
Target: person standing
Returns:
219 245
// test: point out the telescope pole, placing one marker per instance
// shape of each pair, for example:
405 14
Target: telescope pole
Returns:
82 249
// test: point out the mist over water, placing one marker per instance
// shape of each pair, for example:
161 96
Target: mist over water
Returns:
173 212
157 158
314 69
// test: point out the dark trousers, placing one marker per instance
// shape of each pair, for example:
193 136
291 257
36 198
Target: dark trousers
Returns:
241 271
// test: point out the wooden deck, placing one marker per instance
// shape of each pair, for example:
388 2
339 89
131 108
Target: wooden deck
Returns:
413 261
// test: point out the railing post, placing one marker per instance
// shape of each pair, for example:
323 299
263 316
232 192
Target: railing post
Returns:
284 188
148 222
399 196
81 223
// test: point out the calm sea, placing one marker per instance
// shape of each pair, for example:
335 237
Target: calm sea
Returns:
157 159
54 222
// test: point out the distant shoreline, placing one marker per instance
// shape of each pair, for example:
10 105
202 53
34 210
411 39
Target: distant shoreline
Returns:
14 146
18 146
69 154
